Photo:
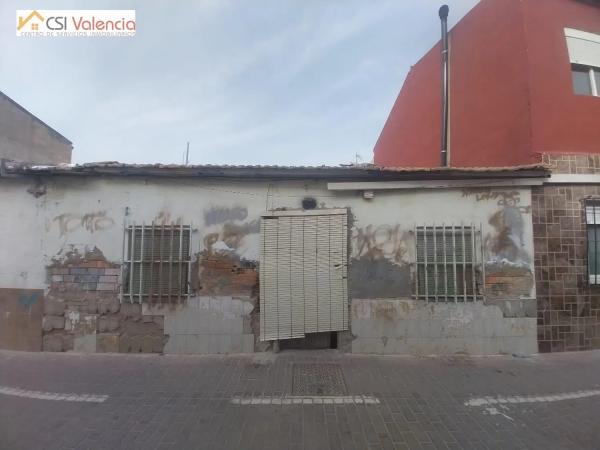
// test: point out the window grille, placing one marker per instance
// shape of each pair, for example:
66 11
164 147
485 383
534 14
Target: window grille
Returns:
449 266
592 217
157 264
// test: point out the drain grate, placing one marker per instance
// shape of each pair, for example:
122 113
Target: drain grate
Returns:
318 379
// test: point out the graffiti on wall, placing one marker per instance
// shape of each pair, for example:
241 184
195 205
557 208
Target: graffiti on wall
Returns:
380 242
27 299
231 236
507 242
503 198
217 215
95 221
21 313
165 218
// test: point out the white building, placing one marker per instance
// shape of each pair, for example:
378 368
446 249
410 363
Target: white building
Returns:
225 259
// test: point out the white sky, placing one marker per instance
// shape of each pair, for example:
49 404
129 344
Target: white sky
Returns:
300 82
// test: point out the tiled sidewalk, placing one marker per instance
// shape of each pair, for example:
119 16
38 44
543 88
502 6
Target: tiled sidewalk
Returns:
249 402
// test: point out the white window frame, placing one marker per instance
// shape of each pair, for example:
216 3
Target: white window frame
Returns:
584 51
592 74
595 88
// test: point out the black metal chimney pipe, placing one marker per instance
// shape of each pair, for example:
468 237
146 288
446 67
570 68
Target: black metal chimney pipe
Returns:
444 18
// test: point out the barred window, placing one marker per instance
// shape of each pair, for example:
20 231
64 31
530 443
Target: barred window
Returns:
592 217
157 263
448 263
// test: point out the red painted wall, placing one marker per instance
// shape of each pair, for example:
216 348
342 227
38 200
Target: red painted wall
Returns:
411 135
511 96
562 122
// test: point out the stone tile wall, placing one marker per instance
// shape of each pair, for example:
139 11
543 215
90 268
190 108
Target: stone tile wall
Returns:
568 306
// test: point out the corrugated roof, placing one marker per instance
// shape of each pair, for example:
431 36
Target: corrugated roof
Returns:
353 172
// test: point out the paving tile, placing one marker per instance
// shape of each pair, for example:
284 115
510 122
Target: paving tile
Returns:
184 402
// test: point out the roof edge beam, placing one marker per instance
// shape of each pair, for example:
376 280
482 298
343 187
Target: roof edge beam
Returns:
433 184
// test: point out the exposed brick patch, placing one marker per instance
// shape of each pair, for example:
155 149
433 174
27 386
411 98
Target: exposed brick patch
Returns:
82 310
568 307
86 277
226 274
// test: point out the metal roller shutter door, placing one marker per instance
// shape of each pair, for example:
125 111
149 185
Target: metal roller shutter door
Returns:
303 274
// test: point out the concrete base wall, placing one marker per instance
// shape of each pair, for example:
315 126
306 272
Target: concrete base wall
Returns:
203 325
21 315
403 326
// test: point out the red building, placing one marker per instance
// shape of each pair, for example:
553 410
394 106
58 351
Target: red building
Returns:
520 87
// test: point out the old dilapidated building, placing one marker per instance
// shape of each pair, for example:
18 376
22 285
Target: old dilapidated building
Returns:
221 259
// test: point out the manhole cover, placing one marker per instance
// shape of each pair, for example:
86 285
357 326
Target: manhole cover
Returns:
318 379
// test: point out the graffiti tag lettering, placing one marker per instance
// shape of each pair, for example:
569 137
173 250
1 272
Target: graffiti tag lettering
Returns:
91 222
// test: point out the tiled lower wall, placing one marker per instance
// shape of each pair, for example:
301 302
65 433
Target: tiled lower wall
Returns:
415 327
568 307
201 325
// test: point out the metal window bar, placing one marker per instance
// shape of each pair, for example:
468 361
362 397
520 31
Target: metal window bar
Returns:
454 265
130 267
170 262
435 264
166 279
180 265
474 262
482 259
449 263
122 277
141 288
416 274
464 262
151 293
445 263
426 268
162 238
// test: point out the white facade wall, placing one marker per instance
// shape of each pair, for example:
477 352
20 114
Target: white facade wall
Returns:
69 214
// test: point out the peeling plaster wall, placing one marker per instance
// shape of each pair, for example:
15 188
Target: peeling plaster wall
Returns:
22 261
79 214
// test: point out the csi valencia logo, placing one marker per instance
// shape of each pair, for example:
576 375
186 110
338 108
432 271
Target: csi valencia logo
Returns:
76 23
